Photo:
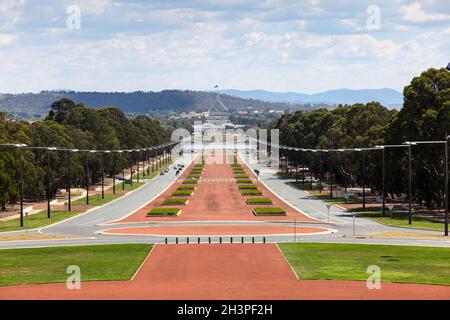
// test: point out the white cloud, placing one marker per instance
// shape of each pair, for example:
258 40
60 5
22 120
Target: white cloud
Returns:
415 13
6 39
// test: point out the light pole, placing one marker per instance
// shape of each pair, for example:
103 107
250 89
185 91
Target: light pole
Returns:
410 143
19 146
383 156
69 157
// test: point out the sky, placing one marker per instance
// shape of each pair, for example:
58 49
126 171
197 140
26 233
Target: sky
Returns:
277 45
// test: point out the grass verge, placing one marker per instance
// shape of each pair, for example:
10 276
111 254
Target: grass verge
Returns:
47 265
96 200
269 211
37 220
176 201
407 264
259 200
164 212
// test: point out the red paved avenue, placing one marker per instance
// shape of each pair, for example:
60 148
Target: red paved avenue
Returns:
226 271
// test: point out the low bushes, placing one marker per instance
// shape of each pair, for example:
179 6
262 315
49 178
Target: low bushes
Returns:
243 181
176 201
259 200
251 192
241 176
186 187
182 193
164 212
248 187
193 176
269 211
190 181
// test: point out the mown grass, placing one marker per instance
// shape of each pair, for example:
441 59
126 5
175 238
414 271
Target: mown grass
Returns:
164 212
400 219
37 220
407 264
96 200
259 200
265 211
176 201
47 265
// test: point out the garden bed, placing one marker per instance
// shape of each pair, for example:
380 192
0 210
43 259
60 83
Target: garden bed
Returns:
180 193
175 201
251 192
248 187
164 212
269 212
259 200
186 187
243 181
190 181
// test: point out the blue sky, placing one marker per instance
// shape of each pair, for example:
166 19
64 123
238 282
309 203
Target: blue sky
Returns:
279 45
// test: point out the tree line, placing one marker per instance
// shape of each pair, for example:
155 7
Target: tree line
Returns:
70 126
425 116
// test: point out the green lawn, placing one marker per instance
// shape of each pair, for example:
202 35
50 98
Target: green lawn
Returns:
45 265
96 200
164 212
325 196
406 264
129 187
37 220
400 219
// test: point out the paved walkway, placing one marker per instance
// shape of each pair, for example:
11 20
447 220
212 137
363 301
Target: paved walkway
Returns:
227 271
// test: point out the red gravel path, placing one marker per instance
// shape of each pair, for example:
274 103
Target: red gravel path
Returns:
227 271
216 230
217 197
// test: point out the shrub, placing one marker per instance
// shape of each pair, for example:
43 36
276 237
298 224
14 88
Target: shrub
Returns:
182 193
269 211
241 176
186 187
243 181
259 200
247 187
193 176
164 212
190 181
180 201
251 192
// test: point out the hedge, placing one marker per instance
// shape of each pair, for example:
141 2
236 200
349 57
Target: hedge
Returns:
180 201
164 212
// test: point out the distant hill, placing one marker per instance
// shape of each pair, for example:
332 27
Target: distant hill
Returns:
136 102
386 96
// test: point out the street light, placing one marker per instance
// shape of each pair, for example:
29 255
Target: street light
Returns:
69 208
19 146
409 143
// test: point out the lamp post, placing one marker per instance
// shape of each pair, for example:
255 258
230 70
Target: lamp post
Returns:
412 143
19 146
409 144
114 171
48 180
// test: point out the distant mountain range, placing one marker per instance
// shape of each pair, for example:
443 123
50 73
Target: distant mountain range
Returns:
138 102
386 96
167 101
